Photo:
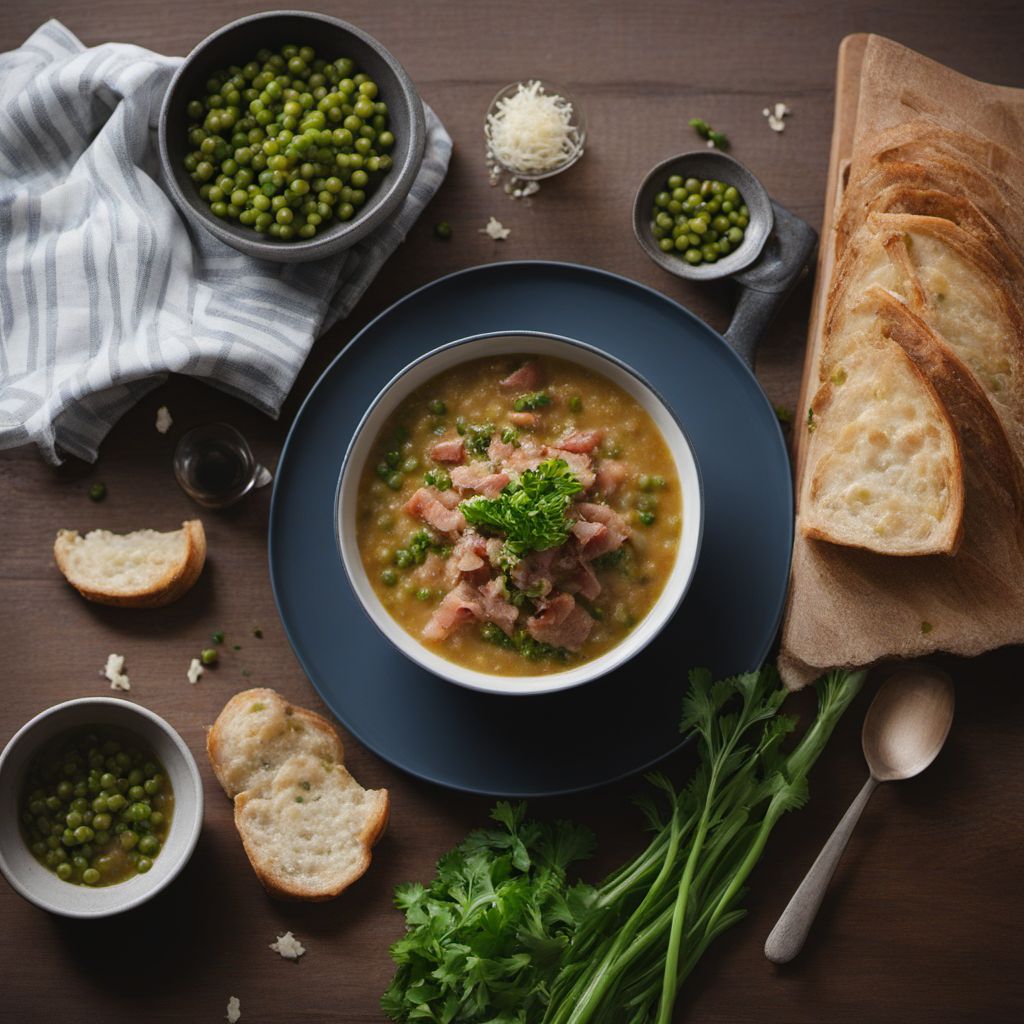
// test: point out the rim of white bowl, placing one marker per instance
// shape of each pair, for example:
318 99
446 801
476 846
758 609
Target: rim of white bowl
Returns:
660 614
140 888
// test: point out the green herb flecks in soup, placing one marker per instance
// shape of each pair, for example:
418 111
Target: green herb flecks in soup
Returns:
519 515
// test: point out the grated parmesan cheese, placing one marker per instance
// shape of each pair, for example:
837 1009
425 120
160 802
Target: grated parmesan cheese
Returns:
531 131
288 946
163 419
114 671
195 670
496 230
234 1010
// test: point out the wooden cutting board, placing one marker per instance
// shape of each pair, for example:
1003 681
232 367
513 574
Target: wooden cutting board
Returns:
849 607
844 120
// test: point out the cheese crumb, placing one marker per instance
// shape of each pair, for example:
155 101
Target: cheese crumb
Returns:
195 670
163 419
114 671
288 946
496 230
776 116
234 1010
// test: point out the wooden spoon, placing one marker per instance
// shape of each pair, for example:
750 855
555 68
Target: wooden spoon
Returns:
904 730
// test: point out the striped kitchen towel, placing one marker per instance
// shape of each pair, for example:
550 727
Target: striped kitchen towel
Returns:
103 289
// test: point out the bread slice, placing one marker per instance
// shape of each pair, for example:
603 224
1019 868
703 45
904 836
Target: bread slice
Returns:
956 286
307 826
884 469
144 569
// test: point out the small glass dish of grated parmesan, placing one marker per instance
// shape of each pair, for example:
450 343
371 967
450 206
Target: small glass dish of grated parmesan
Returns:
534 129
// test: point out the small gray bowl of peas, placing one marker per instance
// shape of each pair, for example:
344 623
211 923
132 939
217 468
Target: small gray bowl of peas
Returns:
702 215
101 805
290 135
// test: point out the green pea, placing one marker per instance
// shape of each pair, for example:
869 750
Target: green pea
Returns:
423 594
143 864
209 656
149 845
395 481
90 876
64 871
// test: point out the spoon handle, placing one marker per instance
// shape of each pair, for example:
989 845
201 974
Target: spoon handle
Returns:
790 931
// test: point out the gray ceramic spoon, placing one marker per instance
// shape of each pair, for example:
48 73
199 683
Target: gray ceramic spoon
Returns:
904 730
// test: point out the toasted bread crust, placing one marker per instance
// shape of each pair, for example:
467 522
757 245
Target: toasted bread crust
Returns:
177 580
272 881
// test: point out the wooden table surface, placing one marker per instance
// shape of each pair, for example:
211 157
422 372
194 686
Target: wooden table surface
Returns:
921 923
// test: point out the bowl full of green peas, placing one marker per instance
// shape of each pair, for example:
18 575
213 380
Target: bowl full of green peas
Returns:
290 135
101 805
702 215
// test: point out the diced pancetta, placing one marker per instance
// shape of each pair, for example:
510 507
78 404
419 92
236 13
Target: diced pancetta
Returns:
610 476
449 451
612 533
523 419
478 477
526 378
581 441
470 551
458 606
426 505
496 606
578 463
561 623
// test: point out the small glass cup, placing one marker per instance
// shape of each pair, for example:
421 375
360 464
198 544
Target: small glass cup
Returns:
577 124
214 465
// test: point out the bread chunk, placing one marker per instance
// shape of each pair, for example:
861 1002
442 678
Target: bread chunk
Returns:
307 826
144 569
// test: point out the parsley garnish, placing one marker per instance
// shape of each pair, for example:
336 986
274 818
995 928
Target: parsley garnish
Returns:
478 437
530 511
810 420
534 400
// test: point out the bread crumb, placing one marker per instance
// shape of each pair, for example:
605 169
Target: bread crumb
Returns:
776 116
163 419
114 671
234 1010
496 230
195 670
288 946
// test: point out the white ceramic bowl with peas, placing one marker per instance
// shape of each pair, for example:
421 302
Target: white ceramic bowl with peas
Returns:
147 763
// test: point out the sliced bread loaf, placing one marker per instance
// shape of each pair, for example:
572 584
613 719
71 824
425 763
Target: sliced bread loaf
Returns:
307 826
144 569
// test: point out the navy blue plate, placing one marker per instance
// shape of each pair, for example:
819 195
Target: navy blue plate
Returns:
617 725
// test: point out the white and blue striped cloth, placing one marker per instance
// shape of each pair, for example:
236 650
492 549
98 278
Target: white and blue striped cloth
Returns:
103 289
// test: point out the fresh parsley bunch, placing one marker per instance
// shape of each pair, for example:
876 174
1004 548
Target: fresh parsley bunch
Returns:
485 938
530 511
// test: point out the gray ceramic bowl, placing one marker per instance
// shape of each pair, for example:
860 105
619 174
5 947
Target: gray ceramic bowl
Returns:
41 886
705 163
237 43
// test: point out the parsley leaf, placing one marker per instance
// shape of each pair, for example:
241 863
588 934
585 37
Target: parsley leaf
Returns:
530 511
484 940
531 401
